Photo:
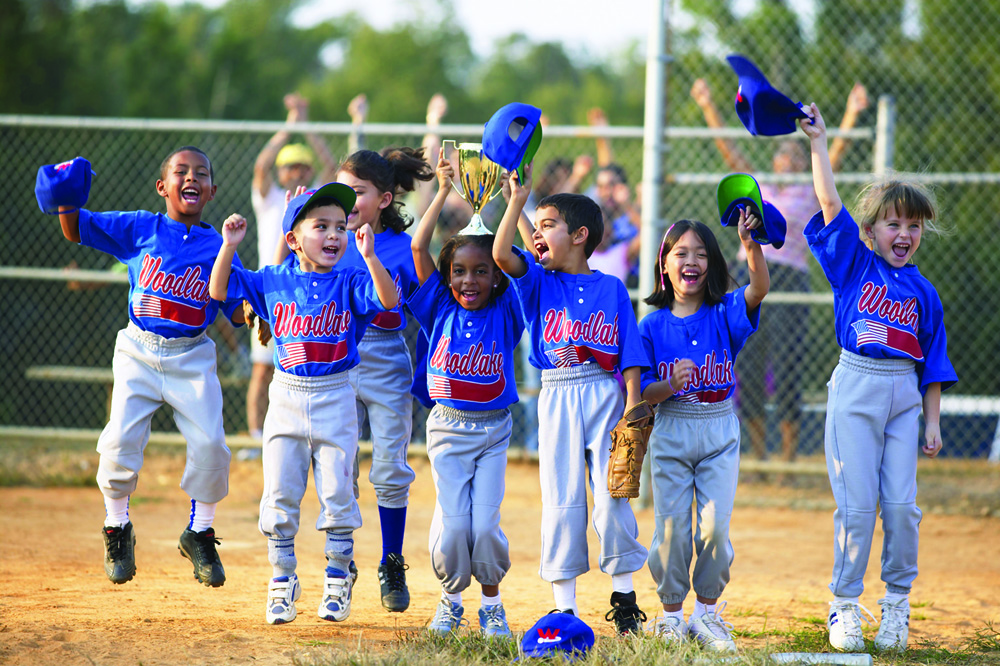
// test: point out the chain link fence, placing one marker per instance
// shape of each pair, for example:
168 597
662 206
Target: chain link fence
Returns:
63 304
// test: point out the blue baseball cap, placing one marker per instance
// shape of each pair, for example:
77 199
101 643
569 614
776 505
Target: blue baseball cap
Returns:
740 191
558 633
339 192
512 136
763 110
63 184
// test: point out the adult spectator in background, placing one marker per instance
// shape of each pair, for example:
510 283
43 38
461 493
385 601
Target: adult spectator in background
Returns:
778 347
280 166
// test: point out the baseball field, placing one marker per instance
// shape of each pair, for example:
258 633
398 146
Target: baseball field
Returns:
57 606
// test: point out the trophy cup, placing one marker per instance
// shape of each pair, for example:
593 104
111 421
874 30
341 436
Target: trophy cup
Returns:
478 176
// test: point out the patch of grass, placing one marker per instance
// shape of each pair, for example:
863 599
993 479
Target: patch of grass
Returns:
47 466
986 640
921 604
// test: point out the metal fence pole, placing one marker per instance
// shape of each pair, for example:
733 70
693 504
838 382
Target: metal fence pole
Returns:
885 135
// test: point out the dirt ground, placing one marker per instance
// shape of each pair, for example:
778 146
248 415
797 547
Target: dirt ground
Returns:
57 607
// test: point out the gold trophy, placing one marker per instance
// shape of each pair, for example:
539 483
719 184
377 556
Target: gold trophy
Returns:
478 176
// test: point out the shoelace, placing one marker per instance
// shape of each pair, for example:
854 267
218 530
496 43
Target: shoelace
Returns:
626 618
894 618
719 627
394 573
446 614
116 544
665 625
495 617
850 614
206 542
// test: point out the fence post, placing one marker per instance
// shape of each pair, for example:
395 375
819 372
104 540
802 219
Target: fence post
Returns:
885 135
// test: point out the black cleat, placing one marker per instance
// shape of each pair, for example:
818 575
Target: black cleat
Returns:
392 579
199 547
119 553
625 613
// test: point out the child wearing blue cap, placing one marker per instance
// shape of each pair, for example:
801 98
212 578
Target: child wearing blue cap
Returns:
163 356
317 316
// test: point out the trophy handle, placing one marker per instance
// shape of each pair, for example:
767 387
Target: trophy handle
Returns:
453 148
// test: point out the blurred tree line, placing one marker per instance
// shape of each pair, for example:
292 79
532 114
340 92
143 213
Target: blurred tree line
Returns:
937 58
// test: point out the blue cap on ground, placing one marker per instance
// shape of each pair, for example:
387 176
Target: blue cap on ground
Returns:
558 633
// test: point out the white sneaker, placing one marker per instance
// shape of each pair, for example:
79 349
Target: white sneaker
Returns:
844 625
671 630
712 631
447 617
282 593
336 604
894 630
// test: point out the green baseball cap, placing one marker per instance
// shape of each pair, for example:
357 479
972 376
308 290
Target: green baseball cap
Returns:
740 190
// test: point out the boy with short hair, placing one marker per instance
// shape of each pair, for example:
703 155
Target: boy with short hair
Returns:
582 328
318 312
163 356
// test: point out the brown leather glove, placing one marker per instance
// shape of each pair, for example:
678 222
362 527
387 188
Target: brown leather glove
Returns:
628 448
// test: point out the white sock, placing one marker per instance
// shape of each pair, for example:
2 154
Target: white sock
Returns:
202 515
893 597
622 583
455 598
491 601
845 600
677 614
116 511
564 592
700 609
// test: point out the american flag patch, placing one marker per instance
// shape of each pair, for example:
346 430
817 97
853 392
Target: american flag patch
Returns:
147 305
292 354
873 332
570 355
438 387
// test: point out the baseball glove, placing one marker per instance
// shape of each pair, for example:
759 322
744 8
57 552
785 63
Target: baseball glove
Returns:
628 448
263 328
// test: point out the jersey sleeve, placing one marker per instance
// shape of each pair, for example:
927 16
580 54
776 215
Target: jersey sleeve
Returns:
837 247
111 232
249 286
512 309
526 287
631 353
649 373
231 305
741 325
937 366
424 303
364 299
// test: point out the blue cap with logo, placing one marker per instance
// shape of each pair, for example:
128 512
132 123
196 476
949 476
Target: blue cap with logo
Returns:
762 109
63 184
558 634
339 192
512 136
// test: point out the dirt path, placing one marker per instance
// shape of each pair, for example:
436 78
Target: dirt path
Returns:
56 606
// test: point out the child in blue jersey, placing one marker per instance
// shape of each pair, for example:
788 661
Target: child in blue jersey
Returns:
582 329
694 448
317 315
384 376
473 321
163 357
893 366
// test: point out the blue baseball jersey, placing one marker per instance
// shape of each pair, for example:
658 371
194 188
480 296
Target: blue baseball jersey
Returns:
575 319
470 363
393 250
881 311
711 337
316 319
168 268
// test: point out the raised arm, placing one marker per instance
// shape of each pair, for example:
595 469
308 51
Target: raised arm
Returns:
269 153
421 243
503 254
733 158
327 167
857 101
385 288
437 107
760 279
597 118
826 188
234 230
70 223
357 109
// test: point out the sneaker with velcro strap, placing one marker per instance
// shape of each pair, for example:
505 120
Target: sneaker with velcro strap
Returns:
336 603
282 593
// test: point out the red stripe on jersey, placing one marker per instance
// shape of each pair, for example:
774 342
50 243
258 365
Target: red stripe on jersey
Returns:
146 305
443 388
292 354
